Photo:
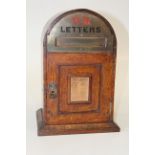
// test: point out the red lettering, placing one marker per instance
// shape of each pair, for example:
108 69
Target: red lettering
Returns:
86 21
76 20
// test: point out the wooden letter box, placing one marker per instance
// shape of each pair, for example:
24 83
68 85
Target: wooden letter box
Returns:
79 75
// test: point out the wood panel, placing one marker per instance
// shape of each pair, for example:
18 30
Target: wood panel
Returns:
57 110
91 71
46 130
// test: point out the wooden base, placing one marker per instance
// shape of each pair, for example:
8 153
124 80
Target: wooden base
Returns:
46 130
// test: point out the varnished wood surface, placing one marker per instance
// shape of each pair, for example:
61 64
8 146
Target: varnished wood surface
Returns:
59 115
100 66
46 130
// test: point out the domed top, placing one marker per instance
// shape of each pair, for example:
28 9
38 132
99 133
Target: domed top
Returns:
80 30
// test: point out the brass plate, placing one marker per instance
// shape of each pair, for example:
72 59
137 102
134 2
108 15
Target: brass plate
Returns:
80 31
79 89
81 42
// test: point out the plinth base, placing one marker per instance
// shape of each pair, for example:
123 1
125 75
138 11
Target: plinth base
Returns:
46 130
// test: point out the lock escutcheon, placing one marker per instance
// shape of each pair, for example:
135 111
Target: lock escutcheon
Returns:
52 90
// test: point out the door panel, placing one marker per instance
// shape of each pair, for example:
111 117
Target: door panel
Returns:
92 73
68 71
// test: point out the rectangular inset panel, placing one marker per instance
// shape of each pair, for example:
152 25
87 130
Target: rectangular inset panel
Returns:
76 93
79 89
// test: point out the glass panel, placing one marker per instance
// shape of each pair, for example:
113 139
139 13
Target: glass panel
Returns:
79 89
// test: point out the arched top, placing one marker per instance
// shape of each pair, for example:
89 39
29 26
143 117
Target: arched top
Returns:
80 30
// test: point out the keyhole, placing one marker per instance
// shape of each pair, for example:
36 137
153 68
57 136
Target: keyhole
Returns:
52 92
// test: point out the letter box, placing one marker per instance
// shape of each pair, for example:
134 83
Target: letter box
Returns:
79 75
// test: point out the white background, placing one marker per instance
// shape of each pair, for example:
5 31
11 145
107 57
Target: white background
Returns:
38 14
13 81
